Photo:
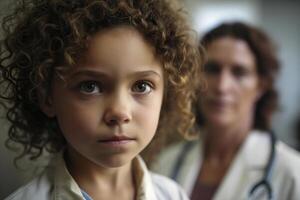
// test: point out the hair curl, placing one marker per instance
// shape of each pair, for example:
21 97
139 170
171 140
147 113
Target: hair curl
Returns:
267 66
44 37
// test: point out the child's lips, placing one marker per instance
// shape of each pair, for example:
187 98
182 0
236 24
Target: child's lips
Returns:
116 140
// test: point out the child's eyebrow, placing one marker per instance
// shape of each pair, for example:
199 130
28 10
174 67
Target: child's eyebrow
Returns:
89 73
146 73
100 74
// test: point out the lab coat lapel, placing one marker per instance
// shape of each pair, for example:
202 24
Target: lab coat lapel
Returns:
189 172
246 169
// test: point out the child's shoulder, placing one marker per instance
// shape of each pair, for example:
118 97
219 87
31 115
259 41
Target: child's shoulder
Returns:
36 189
167 189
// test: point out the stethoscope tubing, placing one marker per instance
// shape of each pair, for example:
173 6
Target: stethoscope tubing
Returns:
266 179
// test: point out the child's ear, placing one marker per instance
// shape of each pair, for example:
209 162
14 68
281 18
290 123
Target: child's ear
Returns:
46 105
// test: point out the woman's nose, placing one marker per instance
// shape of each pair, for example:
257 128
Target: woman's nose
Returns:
117 111
223 82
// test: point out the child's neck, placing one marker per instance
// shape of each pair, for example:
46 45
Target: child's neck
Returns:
100 182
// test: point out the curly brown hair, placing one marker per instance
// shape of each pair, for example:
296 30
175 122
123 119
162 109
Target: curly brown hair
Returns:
44 37
267 66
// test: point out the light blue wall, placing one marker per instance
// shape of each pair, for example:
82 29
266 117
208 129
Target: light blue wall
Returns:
282 21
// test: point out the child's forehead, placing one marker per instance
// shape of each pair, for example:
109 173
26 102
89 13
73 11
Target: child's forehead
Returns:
118 46
117 50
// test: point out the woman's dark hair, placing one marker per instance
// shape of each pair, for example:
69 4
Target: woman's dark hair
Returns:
43 38
267 66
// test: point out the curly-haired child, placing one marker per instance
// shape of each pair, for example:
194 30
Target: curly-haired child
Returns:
93 81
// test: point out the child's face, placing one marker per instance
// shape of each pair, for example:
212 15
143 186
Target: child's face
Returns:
109 108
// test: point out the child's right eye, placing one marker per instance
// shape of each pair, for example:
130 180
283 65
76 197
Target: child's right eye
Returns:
90 87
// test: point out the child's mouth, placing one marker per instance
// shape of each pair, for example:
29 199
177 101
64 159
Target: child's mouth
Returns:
116 140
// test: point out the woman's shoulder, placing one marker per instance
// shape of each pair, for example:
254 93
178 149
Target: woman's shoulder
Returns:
288 157
166 159
38 188
286 173
169 156
172 150
166 188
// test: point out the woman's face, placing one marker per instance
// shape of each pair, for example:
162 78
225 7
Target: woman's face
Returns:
233 83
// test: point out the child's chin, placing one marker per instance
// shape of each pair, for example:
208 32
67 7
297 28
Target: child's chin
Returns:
116 161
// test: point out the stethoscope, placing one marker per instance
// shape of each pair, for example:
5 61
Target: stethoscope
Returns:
263 183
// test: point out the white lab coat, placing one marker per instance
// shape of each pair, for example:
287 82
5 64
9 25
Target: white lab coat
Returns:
245 170
57 184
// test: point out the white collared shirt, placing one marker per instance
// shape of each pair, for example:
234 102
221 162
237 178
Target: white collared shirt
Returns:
56 183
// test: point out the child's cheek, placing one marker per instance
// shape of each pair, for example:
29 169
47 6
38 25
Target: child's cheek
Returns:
147 115
79 121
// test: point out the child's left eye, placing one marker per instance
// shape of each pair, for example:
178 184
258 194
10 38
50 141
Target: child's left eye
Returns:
142 87
90 87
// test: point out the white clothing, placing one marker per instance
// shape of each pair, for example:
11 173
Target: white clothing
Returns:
246 169
55 183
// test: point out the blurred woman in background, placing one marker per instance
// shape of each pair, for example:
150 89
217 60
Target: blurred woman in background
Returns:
237 156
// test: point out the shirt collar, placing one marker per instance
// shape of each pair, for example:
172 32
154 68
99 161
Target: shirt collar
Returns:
144 184
65 186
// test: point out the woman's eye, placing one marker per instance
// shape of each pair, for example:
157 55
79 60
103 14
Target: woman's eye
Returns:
142 87
90 87
211 68
240 72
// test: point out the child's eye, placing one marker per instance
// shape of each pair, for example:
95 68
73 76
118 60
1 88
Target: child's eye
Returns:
90 87
142 87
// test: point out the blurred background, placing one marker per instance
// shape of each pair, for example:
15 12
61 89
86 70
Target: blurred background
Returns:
280 19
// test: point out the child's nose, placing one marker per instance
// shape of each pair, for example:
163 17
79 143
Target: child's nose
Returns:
115 119
118 112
